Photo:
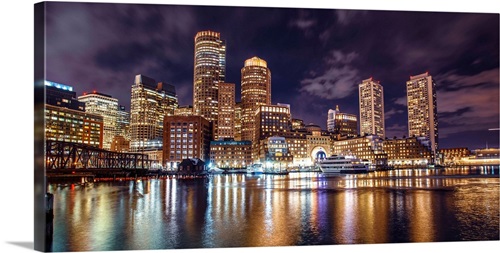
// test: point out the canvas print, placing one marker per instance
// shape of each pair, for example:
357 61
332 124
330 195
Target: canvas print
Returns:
191 127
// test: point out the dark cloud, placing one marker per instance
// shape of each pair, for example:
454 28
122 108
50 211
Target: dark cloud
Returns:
317 56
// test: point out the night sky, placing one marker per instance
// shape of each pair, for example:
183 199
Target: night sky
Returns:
317 57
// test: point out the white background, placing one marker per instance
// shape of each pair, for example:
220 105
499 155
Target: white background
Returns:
16 136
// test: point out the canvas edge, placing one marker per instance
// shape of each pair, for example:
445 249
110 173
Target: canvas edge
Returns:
42 227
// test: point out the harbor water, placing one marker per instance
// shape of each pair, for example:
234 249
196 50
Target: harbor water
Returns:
240 210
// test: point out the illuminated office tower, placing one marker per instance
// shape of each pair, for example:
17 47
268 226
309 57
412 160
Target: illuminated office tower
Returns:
150 102
255 91
209 71
225 125
343 124
237 121
371 108
422 108
272 120
123 122
107 107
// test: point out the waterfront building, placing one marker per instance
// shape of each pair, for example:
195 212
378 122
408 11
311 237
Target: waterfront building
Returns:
209 72
150 103
237 121
123 122
106 106
62 95
66 119
369 147
185 137
319 143
482 157
255 91
371 108
342 124
191 166
408 152
422 108
452 156
186 110
230 154
120 144
225 127
270 120
298 124
75 126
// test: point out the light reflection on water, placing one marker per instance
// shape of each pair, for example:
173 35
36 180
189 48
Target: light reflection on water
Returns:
270 210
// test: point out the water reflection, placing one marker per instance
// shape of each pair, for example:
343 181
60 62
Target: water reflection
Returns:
269 210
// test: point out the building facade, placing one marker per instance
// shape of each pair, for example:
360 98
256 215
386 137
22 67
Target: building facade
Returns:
107 107
371 108
150 103
453 156
123 122
422 108
369 147
255 91
230 154
75 126
62 95
186 110
342 124
185 137
298 124
209 72
237 121
120 144
225 127
408 152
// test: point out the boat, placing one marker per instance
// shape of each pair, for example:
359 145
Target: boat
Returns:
215 170
343 164
255 169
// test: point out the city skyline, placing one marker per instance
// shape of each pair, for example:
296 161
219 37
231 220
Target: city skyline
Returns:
310 79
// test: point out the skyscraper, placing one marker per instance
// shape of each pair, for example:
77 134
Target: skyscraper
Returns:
422 108
255 91
371 108
150 102
209 71
107 107
225 125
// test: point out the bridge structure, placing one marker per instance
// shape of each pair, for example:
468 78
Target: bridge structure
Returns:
76 158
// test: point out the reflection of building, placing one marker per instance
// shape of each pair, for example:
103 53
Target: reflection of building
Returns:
422 108
66 119
255 91
107 107
407 152
120 144
342 124
186 110
367 148
186 137
209 71
225 123
371 108
231 154
237 121
454 155
150 102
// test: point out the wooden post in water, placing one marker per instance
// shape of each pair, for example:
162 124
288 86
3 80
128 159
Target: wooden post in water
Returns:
49 221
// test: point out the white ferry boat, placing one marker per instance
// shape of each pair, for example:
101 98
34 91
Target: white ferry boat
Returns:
343 164
255 169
